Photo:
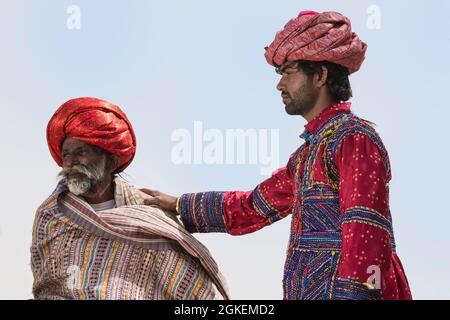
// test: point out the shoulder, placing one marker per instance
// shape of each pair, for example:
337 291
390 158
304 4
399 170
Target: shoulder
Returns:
353 125
355 128
126 193
52 200
360 135
44 215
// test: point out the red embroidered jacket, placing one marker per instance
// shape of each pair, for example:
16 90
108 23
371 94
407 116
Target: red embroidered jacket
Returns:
336 188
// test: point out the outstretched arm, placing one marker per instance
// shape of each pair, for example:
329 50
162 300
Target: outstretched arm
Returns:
234 212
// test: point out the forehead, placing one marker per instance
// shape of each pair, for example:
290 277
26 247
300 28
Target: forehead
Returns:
72 144
289 64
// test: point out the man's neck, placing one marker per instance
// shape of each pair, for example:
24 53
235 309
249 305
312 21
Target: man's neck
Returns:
105 193
321 104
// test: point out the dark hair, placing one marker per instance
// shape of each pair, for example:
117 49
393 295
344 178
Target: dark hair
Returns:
338 82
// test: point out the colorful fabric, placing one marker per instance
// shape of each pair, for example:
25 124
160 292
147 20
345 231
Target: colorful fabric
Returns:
131 252
336 188
96 122
317 36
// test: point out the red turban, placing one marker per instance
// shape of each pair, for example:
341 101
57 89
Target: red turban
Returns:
317 36
96 122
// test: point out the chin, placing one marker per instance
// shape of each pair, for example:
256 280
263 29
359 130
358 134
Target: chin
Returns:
79 187
291 111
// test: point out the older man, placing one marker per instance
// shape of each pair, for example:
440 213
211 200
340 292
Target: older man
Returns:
92 238
335 185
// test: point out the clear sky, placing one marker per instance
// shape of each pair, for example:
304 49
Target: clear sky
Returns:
174 64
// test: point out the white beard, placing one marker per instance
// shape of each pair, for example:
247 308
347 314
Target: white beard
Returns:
82 184
79 187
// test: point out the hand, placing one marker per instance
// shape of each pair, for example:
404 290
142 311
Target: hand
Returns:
160 199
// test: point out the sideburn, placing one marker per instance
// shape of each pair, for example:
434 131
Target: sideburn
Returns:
306 98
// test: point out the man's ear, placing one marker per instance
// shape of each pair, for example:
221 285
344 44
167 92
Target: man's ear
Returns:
320 78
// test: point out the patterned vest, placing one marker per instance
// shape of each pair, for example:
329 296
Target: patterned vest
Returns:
314 251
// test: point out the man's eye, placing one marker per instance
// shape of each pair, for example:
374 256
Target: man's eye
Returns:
286 71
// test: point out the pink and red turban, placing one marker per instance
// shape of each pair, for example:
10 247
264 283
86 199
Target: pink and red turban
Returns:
96 122
317 36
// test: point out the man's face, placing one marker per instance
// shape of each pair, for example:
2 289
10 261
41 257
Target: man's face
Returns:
297 89
84 167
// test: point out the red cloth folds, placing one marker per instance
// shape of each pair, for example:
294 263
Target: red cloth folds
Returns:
316 36
96 122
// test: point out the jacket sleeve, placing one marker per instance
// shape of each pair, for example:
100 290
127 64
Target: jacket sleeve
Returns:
237 212
364 175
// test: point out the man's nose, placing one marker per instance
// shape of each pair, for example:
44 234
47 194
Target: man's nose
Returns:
281 86
71 161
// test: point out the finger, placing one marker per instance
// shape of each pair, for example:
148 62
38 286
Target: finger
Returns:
150 192
152 201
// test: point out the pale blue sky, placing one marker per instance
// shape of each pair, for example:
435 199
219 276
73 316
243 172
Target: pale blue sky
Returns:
170 63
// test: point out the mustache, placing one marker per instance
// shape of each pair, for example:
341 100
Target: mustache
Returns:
83 179
77 169
91 172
